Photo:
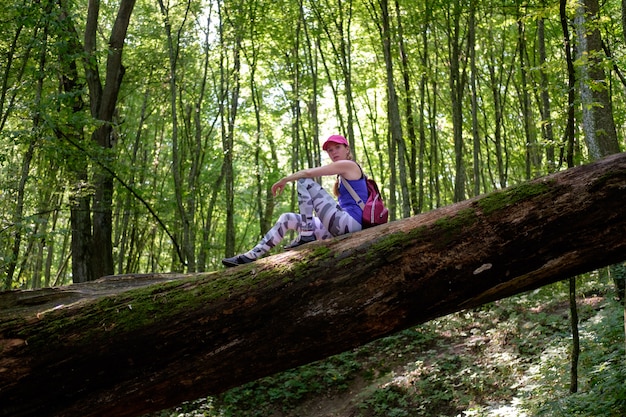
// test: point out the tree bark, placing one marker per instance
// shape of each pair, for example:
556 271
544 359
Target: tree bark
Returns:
127 345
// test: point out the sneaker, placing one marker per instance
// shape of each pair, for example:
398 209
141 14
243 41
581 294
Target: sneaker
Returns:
301 240
237 260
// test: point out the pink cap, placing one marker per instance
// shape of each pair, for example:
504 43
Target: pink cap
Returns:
335 139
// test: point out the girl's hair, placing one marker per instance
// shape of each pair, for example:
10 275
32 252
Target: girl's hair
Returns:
336 187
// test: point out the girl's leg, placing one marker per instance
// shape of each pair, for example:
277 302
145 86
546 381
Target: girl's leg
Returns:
312 197
330 221
286 222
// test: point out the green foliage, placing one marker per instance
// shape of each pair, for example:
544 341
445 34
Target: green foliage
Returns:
389 401
306 70
284 391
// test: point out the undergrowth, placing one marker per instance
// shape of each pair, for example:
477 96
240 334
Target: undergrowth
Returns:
509 358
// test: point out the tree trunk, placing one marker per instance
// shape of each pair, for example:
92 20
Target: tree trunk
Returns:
471 46
16 236
545 107
103 103
345 57
125 346
597 106
457 89
422 111
533 156
568 145
393 112
412 158
229 96
573 310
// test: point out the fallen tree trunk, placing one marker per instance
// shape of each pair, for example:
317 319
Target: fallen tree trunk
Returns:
125 346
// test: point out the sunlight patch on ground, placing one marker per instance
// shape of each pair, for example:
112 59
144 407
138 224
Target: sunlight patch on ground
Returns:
498 410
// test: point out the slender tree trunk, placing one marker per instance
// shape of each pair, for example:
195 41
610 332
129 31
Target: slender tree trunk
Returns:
393 113
575 354
471 41
310 48
533 157
80 220
501 72
197 162
18 214
51 243
229 102
434 147
457 89
624 19
102 252
173 46
568 148
312 101
300 147
412 157
546 118
263 186
500 149
597 107
198 158
208 223
422 107
81 193
125 246
345 48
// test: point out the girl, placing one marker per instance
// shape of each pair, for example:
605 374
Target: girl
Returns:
333 218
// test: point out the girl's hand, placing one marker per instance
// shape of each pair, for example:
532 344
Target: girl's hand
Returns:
278 187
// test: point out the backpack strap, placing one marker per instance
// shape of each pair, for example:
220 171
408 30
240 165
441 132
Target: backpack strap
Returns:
353 193
359 201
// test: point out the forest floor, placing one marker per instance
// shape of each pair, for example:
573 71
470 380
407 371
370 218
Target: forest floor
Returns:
461 341
510 358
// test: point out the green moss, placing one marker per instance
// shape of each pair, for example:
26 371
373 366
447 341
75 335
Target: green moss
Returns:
453 224
321 251
501 200
449 228
133 310
392 242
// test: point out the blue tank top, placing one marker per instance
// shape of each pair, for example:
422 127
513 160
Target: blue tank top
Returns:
347 203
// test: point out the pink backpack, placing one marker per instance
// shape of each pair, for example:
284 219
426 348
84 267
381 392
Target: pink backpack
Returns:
374 210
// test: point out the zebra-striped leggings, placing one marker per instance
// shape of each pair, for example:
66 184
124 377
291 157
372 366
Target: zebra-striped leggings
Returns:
330 221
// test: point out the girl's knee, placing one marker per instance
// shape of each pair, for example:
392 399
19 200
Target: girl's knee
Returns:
289 218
